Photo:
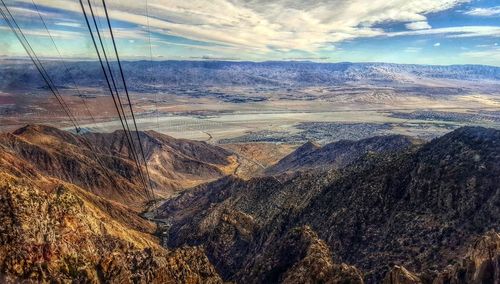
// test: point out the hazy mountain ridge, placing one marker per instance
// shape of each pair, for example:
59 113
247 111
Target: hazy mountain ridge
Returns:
271 73
420 208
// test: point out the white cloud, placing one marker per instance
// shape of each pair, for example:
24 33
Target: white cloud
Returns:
457 32
488 56
437 44
68 24
422 25
484 12
486 45
26 12
43 33
263 25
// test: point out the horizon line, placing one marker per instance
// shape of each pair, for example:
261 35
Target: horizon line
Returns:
82 59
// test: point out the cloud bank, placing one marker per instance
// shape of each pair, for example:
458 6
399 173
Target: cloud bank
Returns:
324 30
262 25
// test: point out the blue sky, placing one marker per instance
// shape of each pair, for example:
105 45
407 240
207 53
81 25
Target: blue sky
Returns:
399 31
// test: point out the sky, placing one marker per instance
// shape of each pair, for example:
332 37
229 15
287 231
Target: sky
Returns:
439 32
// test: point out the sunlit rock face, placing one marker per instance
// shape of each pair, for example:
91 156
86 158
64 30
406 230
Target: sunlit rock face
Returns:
479 265
64 220
102 163
55 231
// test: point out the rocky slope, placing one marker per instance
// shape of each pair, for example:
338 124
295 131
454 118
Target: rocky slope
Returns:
381 210
339 154
481 264
102 164
174 163
56 232
420 208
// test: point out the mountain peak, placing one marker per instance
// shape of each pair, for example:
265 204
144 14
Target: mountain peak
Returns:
45 134
309 145
30 128
475 132
477 139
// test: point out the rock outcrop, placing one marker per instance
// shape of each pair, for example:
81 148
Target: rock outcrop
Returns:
481 264
300 257
55 231
399 275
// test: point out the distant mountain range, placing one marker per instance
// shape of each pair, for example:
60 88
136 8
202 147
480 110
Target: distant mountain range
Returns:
142 75
380 210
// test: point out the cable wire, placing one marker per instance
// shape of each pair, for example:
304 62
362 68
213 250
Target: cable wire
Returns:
11 22
127 94
64 64
129 133
151 66
85 141
109 84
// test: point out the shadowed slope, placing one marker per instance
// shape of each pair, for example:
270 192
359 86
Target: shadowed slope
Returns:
418 207
339 154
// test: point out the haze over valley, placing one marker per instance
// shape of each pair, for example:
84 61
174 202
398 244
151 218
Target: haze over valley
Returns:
291 102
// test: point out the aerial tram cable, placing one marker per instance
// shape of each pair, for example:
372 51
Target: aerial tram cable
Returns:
26 45
64 64
151 76
110 71
118 96
151 66
85 141
115 101
23 40
10 20
127 94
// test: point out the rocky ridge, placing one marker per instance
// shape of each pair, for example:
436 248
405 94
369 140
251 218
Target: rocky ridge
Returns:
420 208
102 164
339 154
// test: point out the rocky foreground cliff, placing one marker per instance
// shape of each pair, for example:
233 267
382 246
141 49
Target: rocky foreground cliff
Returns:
70 211
379 210
54 231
